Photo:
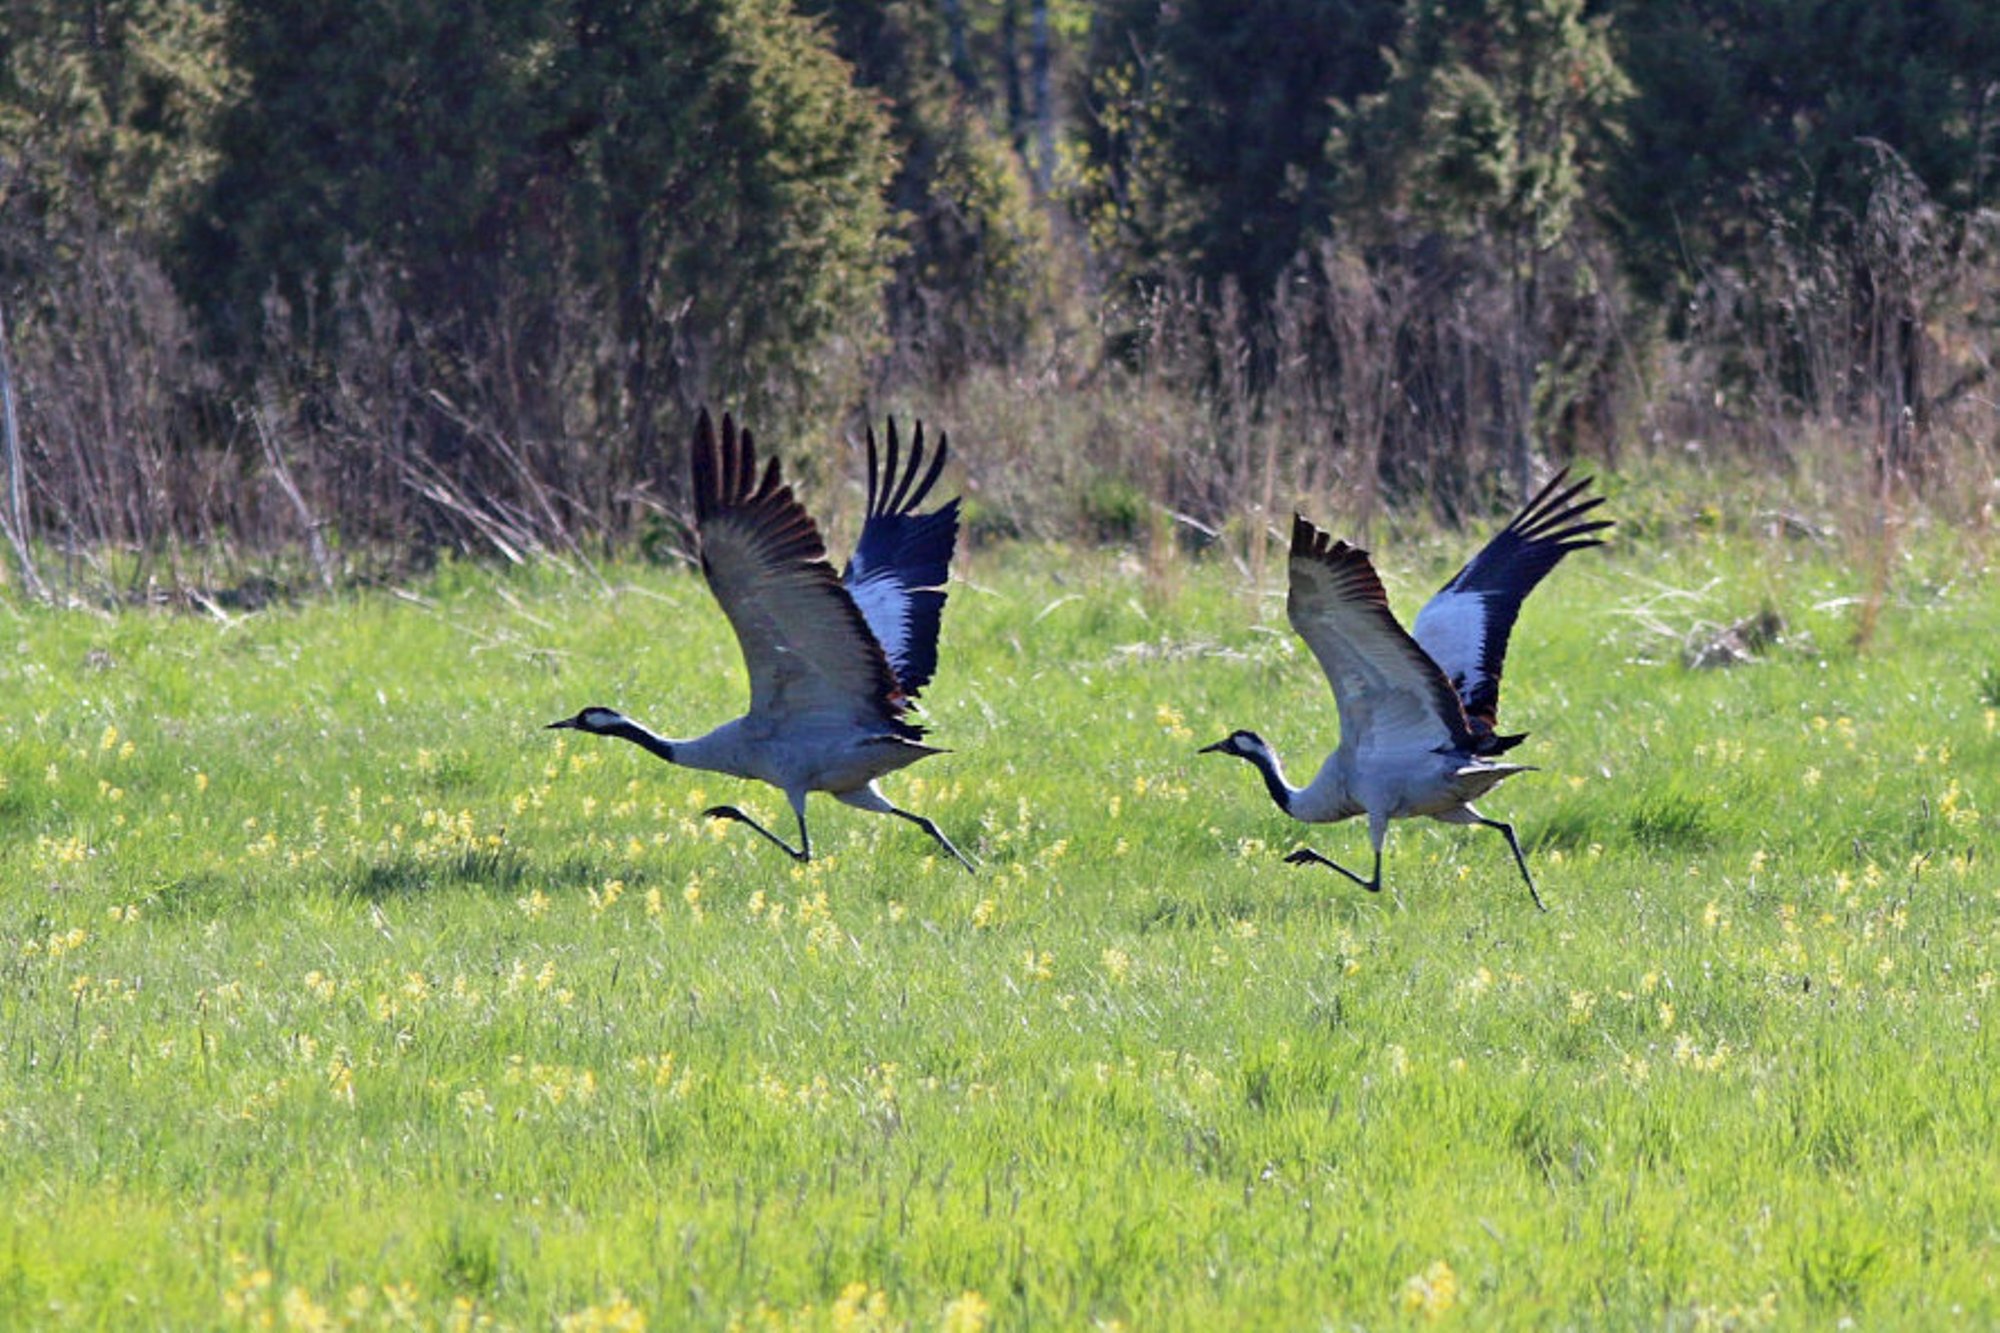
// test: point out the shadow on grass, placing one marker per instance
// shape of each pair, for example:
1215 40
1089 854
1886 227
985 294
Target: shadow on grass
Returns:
1672 822
1302 892
1661 822
199 896
500 870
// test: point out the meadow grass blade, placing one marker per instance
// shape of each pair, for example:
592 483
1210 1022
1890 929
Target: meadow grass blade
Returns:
339 994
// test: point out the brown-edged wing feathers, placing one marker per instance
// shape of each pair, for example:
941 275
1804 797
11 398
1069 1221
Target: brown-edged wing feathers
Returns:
804 642
1390 694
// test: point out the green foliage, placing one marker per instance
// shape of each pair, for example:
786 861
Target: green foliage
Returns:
463 266
975 276
1114 511
1754 113
337 992
701 169
1493 114
1484 142
370 129
106 110
731 188
1204 134
106 115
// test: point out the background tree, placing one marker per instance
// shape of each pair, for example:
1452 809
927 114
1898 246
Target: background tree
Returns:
975 273
368 127
1488 135
1807 178
1749 113
724 181
1204 132
457 271
703 170
106 109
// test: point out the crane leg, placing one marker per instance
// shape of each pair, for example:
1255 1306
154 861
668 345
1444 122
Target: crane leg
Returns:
1465 814
1378 829
1514 845
871 798
803 852
936 832
1306 856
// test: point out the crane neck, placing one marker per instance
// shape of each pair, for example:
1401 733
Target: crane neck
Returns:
1281 791
645 739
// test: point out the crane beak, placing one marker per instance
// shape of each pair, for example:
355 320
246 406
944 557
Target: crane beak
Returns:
1220 747
568 723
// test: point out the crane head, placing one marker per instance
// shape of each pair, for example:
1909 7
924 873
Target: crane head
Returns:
593 719
1242 744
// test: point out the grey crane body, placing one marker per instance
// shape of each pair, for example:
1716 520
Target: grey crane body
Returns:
833 662
817 755
1417 712
1395 784
1384 786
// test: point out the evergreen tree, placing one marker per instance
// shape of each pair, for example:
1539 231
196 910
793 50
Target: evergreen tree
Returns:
974 275
1806 174
1752 113
702 170
106 113
1489 134
1205 129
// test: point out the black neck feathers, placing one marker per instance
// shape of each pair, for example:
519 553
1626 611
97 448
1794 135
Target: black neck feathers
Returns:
1274 781
644 739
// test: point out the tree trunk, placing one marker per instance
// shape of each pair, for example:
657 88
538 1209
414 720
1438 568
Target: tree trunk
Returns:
1010 59
1045 113
16 514
961 56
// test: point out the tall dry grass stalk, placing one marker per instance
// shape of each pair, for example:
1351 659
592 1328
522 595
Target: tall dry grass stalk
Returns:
1374 382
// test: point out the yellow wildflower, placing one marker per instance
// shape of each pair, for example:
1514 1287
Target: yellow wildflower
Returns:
860 1309
969 1313
620 1316
1432 1292
307 1315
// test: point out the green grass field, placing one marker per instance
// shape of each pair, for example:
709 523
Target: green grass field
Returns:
337 994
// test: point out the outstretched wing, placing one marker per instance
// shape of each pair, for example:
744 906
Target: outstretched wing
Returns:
1465 627
1390 694
900 565
807 648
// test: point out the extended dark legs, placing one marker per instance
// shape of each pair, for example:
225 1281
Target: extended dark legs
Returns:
1467 815
867 798
1514 846
936 832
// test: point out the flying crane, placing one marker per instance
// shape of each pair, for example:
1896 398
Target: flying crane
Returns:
1418 709
834 662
